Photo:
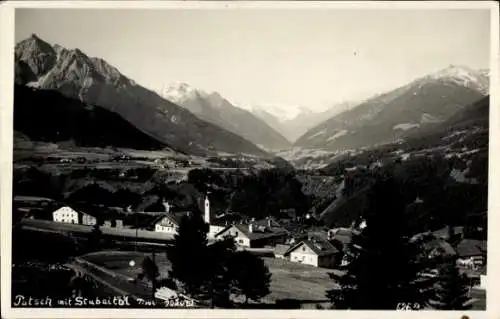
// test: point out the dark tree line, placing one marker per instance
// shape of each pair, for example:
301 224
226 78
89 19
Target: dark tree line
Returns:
384 265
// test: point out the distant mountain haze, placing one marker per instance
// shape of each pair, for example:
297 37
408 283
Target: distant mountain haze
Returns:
401 112
300 120
94 81
215 109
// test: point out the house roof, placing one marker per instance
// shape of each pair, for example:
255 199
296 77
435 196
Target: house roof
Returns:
471 247
173 217
318 234
264 232
319 247
443 232
343 235
443 246
281 249
343 239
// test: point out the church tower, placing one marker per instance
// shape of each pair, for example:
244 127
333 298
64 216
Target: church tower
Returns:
207 210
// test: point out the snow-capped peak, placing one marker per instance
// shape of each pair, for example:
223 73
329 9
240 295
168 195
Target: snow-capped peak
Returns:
179 91
464 76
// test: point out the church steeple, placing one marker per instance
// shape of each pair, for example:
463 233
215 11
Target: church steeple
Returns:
207 209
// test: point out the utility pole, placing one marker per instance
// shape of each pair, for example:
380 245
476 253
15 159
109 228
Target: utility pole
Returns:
136 231
153 281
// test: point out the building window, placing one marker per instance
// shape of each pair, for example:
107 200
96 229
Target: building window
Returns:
236 233
303 248
240 241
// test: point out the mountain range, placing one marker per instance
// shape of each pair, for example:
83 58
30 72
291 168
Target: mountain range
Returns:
402 112
95 82
190 120
215 109
292 122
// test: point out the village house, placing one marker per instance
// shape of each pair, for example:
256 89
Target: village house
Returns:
342 235
169 222
438 247
117 223
280 251
471 253
446 232
66 214
314 251
255 234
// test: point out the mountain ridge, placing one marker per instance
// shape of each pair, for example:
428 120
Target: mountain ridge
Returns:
214 108
395 114
94 81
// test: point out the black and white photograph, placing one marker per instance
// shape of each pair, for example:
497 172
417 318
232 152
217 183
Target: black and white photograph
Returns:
248 157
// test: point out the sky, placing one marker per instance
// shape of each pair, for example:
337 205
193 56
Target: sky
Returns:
312 58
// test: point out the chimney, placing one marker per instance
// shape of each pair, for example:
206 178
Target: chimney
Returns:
250 228
269 223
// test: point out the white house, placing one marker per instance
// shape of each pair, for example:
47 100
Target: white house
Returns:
167 224
315 252
65 214
88 220
254 235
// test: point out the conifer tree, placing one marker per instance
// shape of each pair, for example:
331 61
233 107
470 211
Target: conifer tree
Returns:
452 288
201 270
218 283
250 276
383 264
149 269
189 257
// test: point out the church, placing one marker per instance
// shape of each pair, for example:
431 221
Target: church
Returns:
214 228
169 222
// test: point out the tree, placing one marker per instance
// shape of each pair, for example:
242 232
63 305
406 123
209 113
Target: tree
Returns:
383 264
150 271
94 240
189 256
218 283
250 276
452 289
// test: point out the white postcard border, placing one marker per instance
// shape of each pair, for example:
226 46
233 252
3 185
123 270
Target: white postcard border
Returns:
6 140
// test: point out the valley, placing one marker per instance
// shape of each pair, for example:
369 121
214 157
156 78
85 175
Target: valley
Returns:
111 172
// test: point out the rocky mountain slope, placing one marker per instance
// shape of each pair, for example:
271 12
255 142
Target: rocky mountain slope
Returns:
215 109
397 114
447 167
49 116
95 82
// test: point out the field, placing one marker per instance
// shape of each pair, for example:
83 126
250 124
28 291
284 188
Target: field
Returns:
305 284
119 262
